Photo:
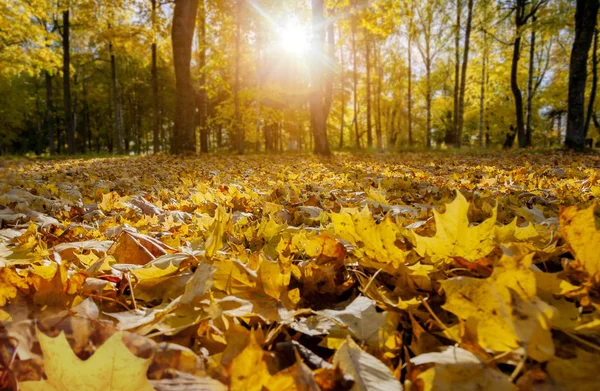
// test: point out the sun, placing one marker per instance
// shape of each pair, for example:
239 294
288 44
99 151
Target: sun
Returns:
293 37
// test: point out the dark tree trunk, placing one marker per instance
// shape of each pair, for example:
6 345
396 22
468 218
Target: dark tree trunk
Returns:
530 89
585 25
452 132
202 96
368 66
50 119
590 110
67 82
155 109
463 77
116 98
514 82
318 117
182 35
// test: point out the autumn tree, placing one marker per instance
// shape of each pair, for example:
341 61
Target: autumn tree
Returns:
585 24
184 22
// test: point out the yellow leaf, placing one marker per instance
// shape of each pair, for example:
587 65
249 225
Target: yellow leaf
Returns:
504 309
454 237
249 371
10 281
578 227
112 201
112 367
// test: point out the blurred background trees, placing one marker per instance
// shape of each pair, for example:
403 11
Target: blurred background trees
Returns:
98 76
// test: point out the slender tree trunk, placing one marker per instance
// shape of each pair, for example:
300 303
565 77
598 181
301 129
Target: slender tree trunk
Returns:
368 66
355 84
529 118
318 117
342 96
182 36
202 96
155 109
410 100
585 25
67 82
50 116
559 132
463 77
429 98
452 134
239 131
514 82
590 110
116 98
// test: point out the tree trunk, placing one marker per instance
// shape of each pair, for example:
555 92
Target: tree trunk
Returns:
590 110
238 129
67 82
182 36
463 77
452 134
155 109
118 116
355 83
202 96
528 129
50 119
585 25
342 96
410 122
514 83
318 117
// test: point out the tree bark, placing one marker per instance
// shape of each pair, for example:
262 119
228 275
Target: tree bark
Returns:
318 117
528 129
410 119
590 110
67 82
585 25
355 83
50 119
202 96
182 36
116 98
155 108
452 134
463 77
514 82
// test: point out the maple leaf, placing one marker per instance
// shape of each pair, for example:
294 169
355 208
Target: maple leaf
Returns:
10 282
249 371
503 309
459 369
368 372
454 237
112 367
578 227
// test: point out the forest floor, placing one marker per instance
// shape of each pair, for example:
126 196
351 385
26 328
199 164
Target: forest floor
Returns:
417 270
